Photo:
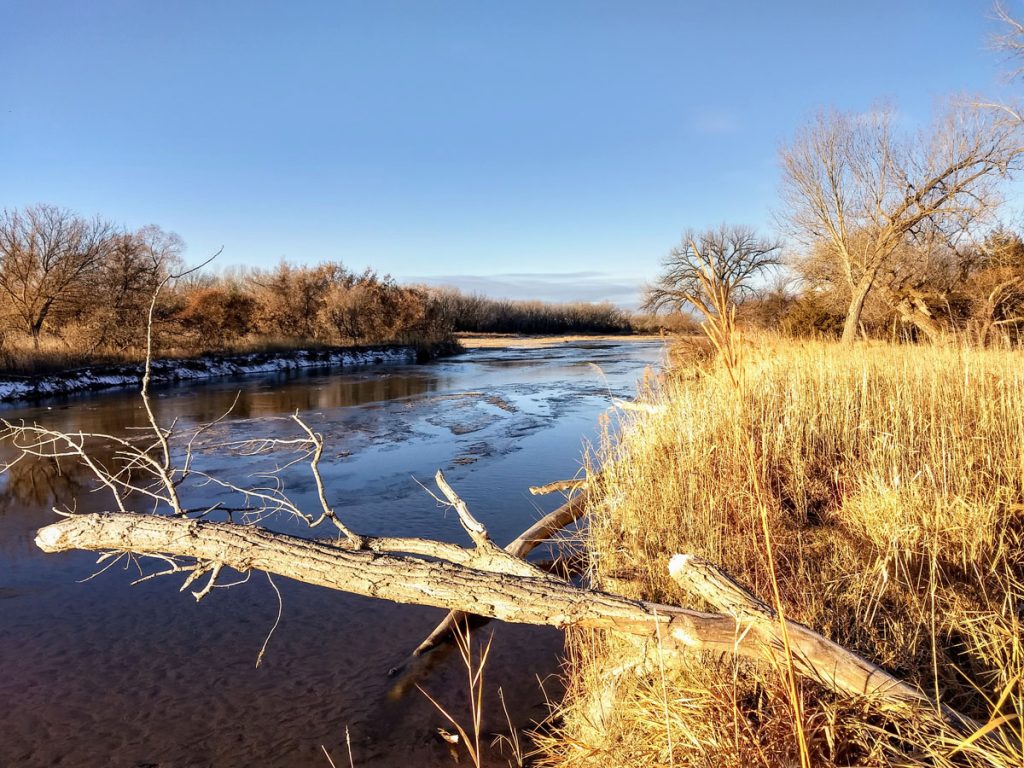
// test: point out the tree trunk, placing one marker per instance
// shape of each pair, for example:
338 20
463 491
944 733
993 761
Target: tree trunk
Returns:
851 328
528 599
524 544
36 326
913 309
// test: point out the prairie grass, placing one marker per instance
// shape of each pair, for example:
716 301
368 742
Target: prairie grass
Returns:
880 488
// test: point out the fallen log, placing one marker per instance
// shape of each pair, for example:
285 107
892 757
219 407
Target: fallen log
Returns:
531 599
537 599
520 547
813 655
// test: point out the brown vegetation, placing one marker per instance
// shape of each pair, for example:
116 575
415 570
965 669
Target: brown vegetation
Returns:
473 313
77 291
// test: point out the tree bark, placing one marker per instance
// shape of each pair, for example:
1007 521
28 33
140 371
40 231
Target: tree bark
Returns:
913 309
851 327
811 651
523 545
529 599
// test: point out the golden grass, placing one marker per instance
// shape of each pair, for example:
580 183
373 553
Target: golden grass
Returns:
889 483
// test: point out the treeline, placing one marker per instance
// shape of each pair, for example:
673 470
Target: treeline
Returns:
974 292
324 303
473 313
890 234
83 287
74 289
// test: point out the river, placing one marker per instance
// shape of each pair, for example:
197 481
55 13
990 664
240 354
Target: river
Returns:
102 673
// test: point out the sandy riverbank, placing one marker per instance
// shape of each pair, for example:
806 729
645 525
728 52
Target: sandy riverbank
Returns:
505 341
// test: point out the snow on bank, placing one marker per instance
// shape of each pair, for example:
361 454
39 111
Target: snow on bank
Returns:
173 370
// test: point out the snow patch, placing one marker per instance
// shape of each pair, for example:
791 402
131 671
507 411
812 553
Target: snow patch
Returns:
174 370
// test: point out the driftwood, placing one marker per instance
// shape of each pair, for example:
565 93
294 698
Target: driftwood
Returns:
814 656
496 588
524 544
558 485
638 407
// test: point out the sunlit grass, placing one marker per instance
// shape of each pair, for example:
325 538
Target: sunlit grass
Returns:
893 483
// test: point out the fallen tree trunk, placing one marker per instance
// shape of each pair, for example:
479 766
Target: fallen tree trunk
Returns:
521 546
531 599
811 652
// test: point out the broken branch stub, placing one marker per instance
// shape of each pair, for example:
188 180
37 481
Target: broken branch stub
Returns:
488 554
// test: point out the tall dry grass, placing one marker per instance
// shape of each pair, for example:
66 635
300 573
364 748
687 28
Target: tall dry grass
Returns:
882 489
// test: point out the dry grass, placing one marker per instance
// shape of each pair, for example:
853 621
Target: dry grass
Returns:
888 484
18 357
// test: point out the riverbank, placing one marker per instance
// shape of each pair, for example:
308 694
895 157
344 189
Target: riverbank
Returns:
112 375
879 489
171 370
517 341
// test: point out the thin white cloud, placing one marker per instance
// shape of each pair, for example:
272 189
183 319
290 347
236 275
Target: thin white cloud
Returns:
714 121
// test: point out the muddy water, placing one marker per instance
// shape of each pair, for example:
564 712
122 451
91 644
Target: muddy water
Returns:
103 673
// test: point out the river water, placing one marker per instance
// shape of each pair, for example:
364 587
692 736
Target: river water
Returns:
102 673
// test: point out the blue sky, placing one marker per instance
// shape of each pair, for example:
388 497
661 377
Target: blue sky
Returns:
555 149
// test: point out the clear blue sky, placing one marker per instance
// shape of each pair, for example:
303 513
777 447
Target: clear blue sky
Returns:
557 148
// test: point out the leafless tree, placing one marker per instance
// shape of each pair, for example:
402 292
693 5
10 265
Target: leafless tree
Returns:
47 257
1011 40
712 269
133 265
863 194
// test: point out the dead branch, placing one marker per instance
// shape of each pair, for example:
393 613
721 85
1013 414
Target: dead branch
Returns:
520 547
559 486
317 441
638 407
816 657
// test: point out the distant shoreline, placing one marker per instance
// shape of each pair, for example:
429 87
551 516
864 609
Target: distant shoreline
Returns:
521 341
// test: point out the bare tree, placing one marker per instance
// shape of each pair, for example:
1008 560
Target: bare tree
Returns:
133 265
863 195
47 256
712 269
1010 41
